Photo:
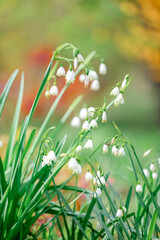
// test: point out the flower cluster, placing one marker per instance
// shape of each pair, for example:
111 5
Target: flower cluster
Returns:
152 172
118 152
47 160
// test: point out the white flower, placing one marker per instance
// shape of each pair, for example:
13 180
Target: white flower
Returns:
123 84
51 155
102 179
105 148
119 100
98 191
93 123
104 117
75 63
46 161
86 126
139 188
115 92
89 144
94 180
77 169
80 57
47 93
146 172
152 167
115 150
147 152
92 75
72 163
121 152
119 213
95 85
82 78
124 209
76 122
53 91
70 76
1 144
86 81
88 176
79 148
61 71
102 69
83 113
91 111
154 175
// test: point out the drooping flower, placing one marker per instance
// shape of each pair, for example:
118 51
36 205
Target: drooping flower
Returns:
115 92
102 69
89 144
77 169
121 152
76 122
80 57
83 113
119 100
61 71
75 63
119 213
53 91
104 117
70 76
105 148
88 176
99 192
93 123
98 173
146 172
115 150
79 148
46 161
86 81
86 126
91 111
154 175
95 85
82 78
139 188
51 155
47 93
92 75
72 162
152 167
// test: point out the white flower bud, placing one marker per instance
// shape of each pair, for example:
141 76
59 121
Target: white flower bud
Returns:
123 84
115 92
98 191
47 93
105 148
70 76
1 144
119 100
79 148
95 85
152 167
119 213
53 91
93 123
102 179
86 81
147 152
154 175
89 144
139 188
91 111
82 78
121 152
80 57
104 117
51 155
146 172
92 75
76 122
98 173
88 176
115 150
83 113
86 126
75 63
61 71
102 69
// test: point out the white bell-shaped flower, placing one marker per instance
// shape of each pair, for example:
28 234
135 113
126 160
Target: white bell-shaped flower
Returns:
86 81
91 111
79 148
53 91
147 153
89 144
102 69
70 76
82 78
115 92
105 148
51 155
119 213
75 63
83 113
104 117
76 122
95 86
115 151
121 152
92 75
154 175
61 71
72 162
88 176
86 126
47 93
119 100
93 123
146 172
139 188
46 161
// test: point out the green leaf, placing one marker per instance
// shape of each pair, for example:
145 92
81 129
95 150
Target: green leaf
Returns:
152 225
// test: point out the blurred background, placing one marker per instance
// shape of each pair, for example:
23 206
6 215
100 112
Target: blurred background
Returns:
125 33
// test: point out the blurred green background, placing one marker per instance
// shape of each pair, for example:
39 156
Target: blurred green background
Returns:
125 33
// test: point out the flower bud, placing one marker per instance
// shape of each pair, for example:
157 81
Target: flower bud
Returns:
82 78
115 150
75 63
102 69
83 113
104 117
105 148
76 122
95 85
147 152
1 144
123 84
86 81
103 181
121 152
154 175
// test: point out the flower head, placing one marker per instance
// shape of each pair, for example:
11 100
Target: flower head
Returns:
51 156
115 92
86 81
70 76
119 213
119 100
83 113
102 69
95 85
139 188
80 57
147 152
104 117
61 71
105 148
93 123
89 144
115 150
92 75
121 152
76 122
91 111
79 148
88 176
86 126
82 78
146 172
53 91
